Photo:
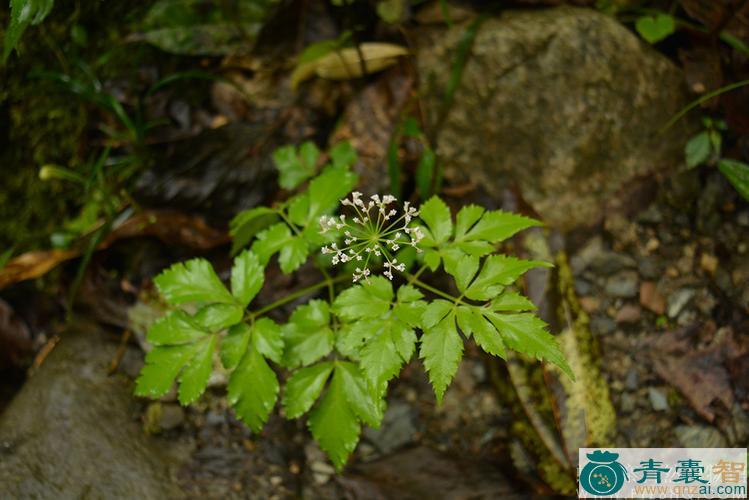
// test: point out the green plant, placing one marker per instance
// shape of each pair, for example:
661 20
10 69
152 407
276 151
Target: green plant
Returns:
341 351
22 14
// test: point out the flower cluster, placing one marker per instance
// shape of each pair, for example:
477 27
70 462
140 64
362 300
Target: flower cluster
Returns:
374 231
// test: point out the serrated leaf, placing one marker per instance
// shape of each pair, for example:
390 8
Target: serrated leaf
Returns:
526 333
304 387
163 364
194 377
486 335
194 280
234 345
466 218
293 254
176 327
246 224
266 337
327 189
437 217
246 277
697 150
498 271
464 271
307 336
496 226
463 314
367 300
432 259
351 337
379 357
737 174
333 423
410 313
441 350
270 241
358 397
435 311
295 166
216 317
512 301
409 293
252 390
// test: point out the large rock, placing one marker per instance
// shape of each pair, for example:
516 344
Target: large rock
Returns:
565 102
72 431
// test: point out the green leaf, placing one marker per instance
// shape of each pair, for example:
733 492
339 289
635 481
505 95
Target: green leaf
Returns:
293 254
163 364
485 335
216 317
270 241
526 333
697 150
437 217
307 336
497 226
327 189
246 224
253 389
194 377
435 311
466 218
498 272
367 300
234 345
463 271
655 28
295 167
425 172
511 301
409 309
343 155
304 387
176 327
194 280
357 395
432 259
266 336
246 277
737 174
22 14
441 350
333 423
379 356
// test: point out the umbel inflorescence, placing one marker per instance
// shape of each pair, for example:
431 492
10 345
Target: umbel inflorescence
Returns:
373 233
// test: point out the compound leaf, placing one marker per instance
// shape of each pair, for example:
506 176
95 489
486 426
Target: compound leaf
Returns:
304 387
176 327
163 364
194 377
253 389
307 336
441 350
367 300
498 271
496 226
246 277
437 217
293 254
359 398
295 166
194 280
270 241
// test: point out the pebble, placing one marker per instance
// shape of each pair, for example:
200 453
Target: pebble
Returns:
657 399
623 284
589 304
172 416
608 263
398 429
628 402
650 267
630 313
678 300
320 467
651 299
602 325
709 262
632 379
700 436
582 287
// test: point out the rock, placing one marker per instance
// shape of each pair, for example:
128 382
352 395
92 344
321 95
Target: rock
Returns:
709 262
651 299
608 263
630 313
628 403
73 431
700 436
678 300
565 102
632 379
649 267
398 428
623 285
657 399
590 304
601 325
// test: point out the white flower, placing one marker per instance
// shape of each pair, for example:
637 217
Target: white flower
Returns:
371 232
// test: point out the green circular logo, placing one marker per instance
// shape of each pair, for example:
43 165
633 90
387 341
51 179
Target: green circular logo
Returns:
603 475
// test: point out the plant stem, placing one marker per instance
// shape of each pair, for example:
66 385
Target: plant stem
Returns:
415 276
295 295
413 279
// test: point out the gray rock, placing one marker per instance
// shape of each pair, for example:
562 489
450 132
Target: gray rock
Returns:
624 284
398 428
602 325
650 268
700 436
631 381
678 300
657 399
74 432
610 262
565 102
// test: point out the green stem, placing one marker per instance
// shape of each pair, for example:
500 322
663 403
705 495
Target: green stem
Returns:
413 279
295 295
415 276
710 95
